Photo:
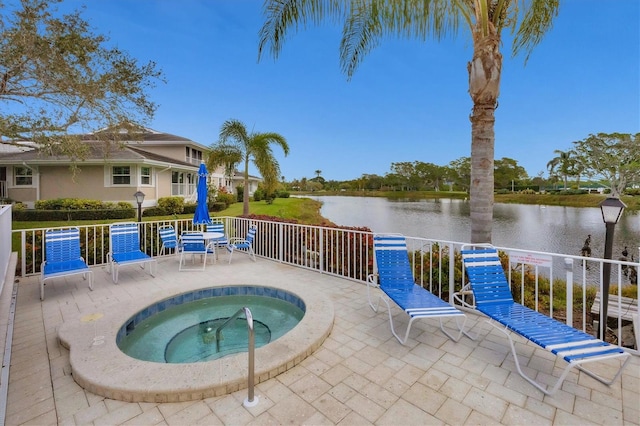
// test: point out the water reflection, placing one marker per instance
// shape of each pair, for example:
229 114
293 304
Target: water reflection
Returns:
529 227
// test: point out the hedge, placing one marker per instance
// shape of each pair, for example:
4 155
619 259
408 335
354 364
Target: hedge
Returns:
47 215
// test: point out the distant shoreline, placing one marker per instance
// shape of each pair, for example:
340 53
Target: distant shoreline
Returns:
578 200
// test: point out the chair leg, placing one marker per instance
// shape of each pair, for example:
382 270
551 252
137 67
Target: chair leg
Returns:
460 328
114 272
42 289
550 390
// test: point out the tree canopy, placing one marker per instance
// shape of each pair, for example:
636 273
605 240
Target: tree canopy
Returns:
612 156
57 76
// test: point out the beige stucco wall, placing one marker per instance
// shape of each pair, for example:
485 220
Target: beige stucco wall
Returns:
176 152
25 195
57 182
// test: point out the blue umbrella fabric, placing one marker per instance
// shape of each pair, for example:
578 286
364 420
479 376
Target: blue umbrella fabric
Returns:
201 216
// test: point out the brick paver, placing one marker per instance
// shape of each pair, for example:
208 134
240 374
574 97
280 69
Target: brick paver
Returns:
361 374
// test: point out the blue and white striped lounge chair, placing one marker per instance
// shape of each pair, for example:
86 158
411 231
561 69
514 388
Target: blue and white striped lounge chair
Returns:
243 244
493 298
169 239
193 243
62 256
395 279
124 249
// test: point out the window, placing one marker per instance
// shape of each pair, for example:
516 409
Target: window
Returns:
177 183
193 156
121 175
145 175
23 176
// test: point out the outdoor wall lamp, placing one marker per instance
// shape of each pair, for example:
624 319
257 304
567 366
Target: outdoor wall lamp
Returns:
612 209
139 196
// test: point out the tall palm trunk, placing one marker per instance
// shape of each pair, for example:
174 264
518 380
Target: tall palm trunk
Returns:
484 88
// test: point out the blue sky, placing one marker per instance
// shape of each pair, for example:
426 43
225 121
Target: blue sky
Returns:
407 101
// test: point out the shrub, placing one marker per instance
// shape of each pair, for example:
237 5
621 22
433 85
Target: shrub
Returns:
258 195
226 198
69 204
19 205
47 215
123 205
171 205
239 193
154 211
217 206
282 194
527 191
189 208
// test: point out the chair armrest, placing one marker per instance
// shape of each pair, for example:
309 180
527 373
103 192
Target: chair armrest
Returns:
235 240
372 279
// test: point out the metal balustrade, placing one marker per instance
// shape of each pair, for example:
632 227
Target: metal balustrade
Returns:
347 253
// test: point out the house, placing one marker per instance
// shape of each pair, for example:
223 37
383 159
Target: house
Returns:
156 163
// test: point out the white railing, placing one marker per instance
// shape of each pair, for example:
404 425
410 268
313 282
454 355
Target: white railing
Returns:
5 242
348 253
3 189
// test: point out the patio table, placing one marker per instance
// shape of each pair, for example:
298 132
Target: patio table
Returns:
209 236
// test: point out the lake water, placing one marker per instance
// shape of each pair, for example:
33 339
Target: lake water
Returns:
529 227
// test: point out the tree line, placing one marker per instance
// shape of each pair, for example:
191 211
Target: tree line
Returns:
612 160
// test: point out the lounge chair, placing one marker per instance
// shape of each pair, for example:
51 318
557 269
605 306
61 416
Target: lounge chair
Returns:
124 249
62 256
243 244
169 239
493 298
218 227
395 279
192 243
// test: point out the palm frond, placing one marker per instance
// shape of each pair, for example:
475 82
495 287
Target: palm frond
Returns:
370 20
235 131
537 20
268 138
284 16
361 32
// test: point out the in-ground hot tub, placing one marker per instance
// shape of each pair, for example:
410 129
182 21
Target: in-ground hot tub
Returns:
100 366
200 326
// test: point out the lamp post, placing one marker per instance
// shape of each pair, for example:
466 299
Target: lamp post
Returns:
139 196
611 211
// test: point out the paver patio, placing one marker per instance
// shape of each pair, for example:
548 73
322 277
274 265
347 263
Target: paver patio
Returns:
359 376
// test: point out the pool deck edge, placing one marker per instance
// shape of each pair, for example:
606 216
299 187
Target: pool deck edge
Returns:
98 365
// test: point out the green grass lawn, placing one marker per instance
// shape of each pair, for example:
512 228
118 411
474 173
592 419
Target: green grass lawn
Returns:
304 210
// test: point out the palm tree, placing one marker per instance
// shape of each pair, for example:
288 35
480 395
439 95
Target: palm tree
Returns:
368 21
318 173
553 173
565 162
238 145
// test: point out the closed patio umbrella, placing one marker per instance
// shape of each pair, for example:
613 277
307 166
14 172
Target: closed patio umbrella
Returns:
201 216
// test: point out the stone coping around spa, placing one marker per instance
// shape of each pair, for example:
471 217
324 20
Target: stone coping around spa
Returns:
98 365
